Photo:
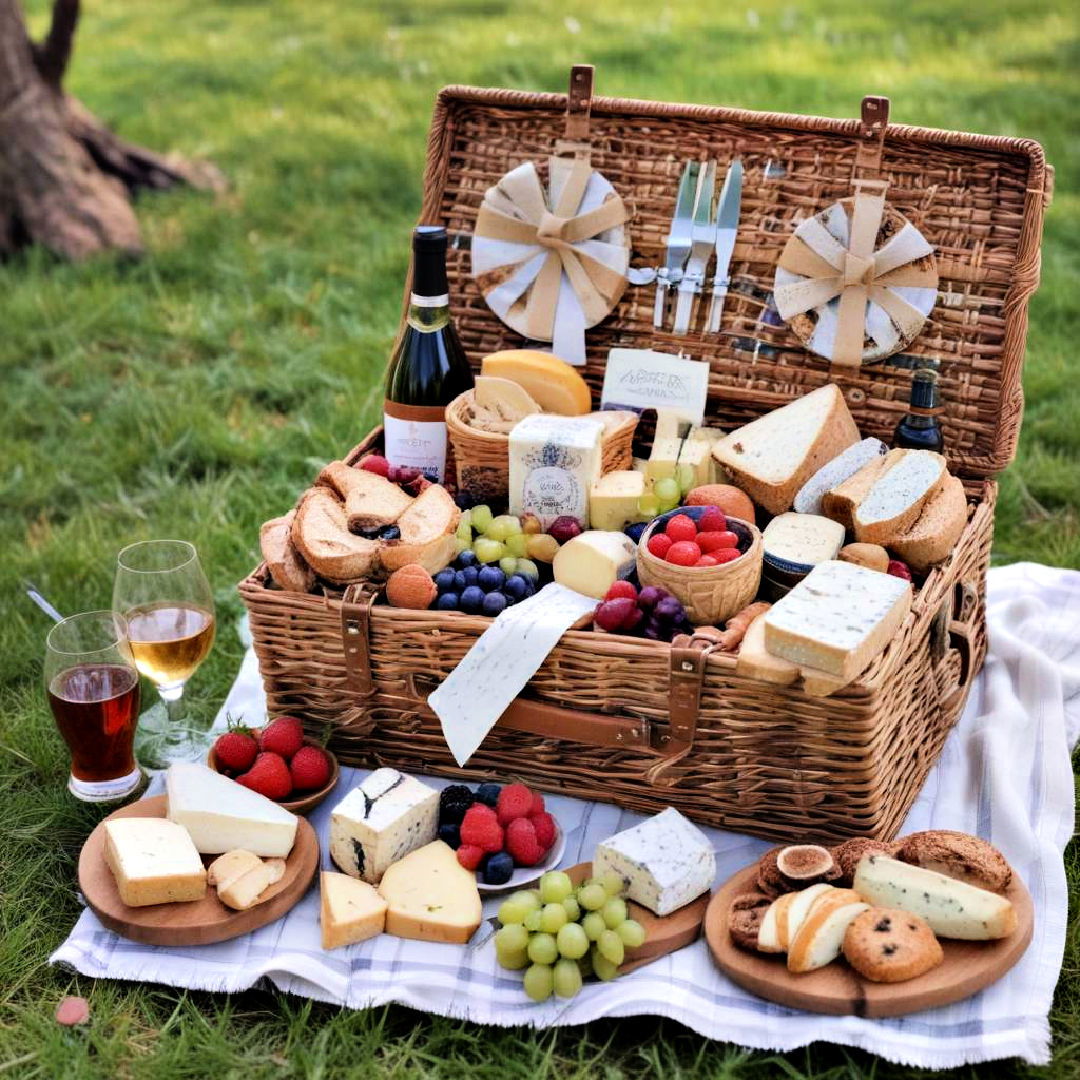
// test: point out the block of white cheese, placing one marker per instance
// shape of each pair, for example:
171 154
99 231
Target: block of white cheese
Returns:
221 814
696 460
430 896
554 462
665 861
954 909
838 618
153 861
841 468
614 499
663 459
593 561
386 817
350 910
802 540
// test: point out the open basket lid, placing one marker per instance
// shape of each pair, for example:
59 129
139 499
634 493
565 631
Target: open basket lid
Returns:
978 199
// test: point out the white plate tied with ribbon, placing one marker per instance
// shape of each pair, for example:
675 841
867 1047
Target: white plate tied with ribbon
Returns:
551 264
847 298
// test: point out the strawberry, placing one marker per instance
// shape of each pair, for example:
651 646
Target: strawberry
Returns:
544 825
480 828
283 736
681 527
470 856
309 768
515 801
537 803
659 543
236 749
269 776
522 842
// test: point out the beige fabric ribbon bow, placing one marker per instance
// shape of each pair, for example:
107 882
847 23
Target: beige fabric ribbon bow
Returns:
551 264
815 266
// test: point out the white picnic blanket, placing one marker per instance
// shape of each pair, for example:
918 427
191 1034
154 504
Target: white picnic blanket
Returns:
1004 774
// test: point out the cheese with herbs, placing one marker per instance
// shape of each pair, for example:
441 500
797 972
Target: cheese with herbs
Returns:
665 861
803 539
613 501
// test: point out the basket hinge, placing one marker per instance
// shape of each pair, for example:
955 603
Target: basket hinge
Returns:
875 118
579 102
355 628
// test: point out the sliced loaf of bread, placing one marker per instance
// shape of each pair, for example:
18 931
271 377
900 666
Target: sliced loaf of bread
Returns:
894 502
933 536
284 562
772 457
427 532
321 534
833 474
839 502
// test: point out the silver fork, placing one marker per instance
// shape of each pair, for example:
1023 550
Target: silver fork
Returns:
679 240
703 237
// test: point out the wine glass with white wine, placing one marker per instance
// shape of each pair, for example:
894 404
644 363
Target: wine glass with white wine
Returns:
162 592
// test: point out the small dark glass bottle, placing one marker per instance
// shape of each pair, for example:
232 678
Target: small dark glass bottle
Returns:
920 430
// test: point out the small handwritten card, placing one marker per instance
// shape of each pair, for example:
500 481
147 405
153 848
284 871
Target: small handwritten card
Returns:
642 379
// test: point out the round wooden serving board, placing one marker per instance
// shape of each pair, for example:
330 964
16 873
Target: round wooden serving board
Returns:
196 922
662 935
840 991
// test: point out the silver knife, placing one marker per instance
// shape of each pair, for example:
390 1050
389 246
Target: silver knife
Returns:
727 225
704 236
679 240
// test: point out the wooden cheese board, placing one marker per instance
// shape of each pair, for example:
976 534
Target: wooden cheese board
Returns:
662 935
838 990
198 922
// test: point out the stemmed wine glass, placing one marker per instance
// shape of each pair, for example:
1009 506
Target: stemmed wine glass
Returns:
93 691
162 592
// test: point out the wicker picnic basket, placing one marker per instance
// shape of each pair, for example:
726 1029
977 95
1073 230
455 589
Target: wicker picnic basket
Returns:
645 724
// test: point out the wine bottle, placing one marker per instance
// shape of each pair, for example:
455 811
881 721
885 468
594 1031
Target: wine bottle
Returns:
920 430
429 367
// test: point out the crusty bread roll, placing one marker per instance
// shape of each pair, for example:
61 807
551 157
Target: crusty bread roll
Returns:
321 534
286 567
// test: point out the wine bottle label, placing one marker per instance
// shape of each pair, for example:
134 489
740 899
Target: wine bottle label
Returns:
415 300
415 437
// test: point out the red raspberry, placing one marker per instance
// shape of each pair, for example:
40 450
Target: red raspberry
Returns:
236 749
375 463
537 803
515 801
621 588
269 776
713 520
470 856
899 569
309 768
707 560
480 828
546 830
522 842
681 527
683 553
283 736
723 555
659 544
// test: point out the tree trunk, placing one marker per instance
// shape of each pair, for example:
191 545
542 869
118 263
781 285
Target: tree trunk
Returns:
65 179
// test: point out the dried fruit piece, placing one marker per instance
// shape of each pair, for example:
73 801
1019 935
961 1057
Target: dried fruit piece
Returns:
805 862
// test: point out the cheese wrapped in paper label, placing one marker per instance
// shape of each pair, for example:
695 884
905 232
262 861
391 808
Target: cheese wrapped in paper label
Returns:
495 670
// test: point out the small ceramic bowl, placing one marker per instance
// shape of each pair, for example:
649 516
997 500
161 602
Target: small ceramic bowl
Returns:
297 802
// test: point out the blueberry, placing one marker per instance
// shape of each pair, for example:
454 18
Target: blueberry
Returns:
464 578
488 794
431 475
390 532
448 601
451 835
516 587
494 604
498 868
372 533
444 580
634 531
472 599
465 500
467 558
490 578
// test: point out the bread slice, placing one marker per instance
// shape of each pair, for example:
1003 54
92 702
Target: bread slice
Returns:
320 531
790 918
933 536
895 501
427 532
820 939
286 567
834 473
839 502
371 501
772 457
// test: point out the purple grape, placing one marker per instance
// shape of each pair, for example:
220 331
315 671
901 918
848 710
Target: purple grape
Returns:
494 603
472 599
634 531
465 559
650 596
445 579
447 601
516 587
652 631
669 608
490 578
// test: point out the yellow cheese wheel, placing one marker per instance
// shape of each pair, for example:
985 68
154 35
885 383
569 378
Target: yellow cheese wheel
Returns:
552 383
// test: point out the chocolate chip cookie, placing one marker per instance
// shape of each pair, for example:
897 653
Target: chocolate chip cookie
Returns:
886 945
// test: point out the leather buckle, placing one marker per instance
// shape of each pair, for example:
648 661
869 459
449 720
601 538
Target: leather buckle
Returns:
355 627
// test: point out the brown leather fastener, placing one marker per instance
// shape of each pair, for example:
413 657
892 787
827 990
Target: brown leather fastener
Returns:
875 118
355 627
687 670
579 101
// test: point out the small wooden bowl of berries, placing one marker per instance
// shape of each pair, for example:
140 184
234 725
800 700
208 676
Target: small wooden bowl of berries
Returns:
278 761
710 562
503 832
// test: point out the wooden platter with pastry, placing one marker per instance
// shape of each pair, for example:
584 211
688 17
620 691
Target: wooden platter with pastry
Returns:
869 928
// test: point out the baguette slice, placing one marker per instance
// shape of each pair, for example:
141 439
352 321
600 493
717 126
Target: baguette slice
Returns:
427 532
835 473
769 933
284 562
931 539
772 457
321 534
820 939
790 917
839 503
895 501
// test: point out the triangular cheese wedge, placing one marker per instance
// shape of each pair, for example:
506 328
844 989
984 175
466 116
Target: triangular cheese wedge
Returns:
351 910
431 896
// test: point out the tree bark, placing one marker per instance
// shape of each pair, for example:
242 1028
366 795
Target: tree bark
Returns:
65 179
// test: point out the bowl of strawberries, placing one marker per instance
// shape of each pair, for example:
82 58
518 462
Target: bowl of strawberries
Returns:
278 761
710 562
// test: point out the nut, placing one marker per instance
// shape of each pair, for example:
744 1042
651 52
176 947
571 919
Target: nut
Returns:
805 863
411 586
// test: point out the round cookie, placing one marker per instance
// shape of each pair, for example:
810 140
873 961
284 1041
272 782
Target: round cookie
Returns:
957 855
847 855
744 918
886 945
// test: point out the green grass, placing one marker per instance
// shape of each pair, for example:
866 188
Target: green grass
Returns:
193 394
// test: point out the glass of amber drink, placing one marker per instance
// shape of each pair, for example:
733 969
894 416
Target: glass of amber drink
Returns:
162 593
93 691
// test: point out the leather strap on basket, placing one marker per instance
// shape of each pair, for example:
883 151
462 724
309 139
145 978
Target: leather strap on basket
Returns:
688 656
952 628
355 627
579 103
875 118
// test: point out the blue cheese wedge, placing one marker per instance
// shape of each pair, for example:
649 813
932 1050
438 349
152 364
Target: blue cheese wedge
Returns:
803 540
838 618
665 861
386 817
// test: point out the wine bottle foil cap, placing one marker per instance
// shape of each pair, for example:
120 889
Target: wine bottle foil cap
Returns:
429 238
